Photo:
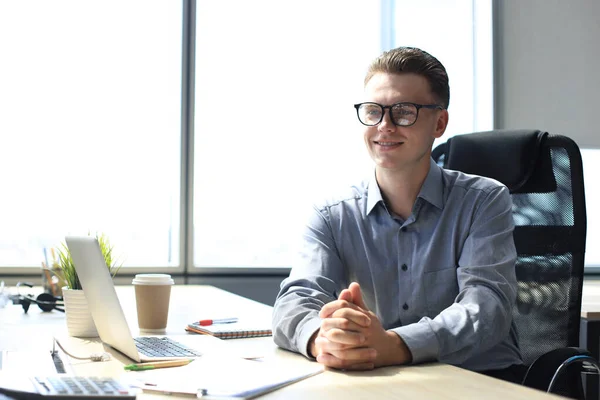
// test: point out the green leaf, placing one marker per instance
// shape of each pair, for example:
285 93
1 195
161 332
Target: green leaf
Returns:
66 271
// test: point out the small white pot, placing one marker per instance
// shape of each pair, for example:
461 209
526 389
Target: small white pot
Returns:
79 318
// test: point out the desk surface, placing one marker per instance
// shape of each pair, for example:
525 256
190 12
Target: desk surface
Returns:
34 331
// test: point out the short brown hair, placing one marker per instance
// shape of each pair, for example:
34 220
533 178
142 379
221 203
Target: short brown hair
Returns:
417 61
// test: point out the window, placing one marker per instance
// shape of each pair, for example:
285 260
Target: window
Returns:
91 119
459 34
274 124
90 127
590 159
274 119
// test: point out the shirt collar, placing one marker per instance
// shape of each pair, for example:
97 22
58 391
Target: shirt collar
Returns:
373 194
432 190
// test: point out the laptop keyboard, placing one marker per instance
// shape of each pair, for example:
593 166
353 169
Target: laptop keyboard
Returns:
163 347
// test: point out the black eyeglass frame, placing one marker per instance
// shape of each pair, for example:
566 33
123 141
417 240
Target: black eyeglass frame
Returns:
417 106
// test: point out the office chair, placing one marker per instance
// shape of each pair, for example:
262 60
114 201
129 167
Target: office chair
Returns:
544 175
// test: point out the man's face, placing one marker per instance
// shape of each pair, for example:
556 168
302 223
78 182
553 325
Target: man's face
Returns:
400 148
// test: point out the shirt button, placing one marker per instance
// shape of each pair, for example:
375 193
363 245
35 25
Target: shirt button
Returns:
404 267
405 307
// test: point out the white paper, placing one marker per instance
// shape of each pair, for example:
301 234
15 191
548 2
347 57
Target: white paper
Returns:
217 377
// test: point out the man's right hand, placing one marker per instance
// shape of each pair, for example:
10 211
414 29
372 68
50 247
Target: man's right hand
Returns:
352 337
339 343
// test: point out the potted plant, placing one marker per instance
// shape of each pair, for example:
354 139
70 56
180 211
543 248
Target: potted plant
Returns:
79 319
66 270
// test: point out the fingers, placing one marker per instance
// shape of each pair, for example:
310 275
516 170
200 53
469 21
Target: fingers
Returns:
352 359
344 337
331 308
345 295
348 320
327 344
352 356
356 295
347 298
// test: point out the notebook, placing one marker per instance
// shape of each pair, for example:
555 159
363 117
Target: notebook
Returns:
107 312
235 330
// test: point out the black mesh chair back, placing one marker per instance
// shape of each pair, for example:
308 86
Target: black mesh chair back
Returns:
544 174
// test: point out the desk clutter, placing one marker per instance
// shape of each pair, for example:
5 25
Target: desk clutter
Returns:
26 349
59 387
233 330
212 376
209 377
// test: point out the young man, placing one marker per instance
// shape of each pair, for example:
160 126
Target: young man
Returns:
415 264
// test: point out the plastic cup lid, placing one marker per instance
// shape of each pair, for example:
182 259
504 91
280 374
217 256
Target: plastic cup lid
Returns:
153 279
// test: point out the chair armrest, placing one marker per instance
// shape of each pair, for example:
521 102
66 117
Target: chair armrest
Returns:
559 370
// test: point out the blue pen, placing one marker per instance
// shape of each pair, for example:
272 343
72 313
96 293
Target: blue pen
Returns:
46 256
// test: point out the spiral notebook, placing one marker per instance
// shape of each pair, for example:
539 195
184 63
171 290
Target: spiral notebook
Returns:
236 330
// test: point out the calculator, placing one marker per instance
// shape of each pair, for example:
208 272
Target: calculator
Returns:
65 387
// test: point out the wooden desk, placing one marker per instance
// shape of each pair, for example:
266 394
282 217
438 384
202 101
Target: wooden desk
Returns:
429 381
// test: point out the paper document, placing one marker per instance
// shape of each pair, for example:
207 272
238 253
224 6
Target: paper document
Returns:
216 377
32 362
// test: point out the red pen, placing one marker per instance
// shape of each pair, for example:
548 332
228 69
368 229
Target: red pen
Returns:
205 322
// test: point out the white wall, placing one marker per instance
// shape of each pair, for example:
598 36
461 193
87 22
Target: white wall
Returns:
547 66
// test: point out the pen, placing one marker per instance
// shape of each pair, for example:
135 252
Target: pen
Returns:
205 322
158 364
46 256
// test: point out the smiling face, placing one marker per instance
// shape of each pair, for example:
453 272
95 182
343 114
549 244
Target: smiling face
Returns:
397 148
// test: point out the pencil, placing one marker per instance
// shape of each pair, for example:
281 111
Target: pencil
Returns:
53 256
158 364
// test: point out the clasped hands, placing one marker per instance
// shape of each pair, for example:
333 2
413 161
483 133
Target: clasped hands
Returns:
351 337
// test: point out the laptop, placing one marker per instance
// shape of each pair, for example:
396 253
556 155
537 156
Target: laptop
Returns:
107 312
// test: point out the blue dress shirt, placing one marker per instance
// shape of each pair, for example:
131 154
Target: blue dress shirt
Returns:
443 280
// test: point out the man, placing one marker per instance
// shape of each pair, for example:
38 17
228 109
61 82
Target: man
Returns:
416 263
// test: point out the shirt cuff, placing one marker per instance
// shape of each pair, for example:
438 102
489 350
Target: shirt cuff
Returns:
306 332
420 340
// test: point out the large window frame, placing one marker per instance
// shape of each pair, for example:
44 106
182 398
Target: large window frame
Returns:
483 104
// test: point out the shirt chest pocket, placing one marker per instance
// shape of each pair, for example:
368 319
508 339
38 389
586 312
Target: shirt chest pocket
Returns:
441 289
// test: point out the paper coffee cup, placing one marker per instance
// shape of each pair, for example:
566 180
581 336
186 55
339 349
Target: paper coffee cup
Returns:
152 295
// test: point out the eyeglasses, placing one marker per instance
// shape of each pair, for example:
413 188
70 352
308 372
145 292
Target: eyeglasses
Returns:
403 114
